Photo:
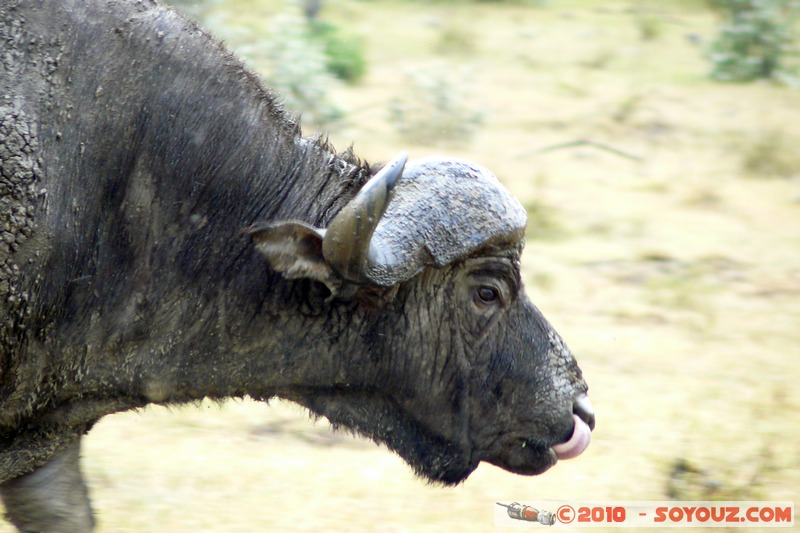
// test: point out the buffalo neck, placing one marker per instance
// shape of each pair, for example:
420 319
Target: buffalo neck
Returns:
153 291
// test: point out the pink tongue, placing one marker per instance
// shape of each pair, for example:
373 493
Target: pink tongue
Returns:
577 443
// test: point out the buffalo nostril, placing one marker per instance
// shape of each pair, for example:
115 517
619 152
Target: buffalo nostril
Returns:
584 409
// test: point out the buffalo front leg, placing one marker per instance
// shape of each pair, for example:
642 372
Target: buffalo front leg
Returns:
52 498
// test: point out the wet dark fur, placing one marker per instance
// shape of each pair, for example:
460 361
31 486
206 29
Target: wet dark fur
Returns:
156 148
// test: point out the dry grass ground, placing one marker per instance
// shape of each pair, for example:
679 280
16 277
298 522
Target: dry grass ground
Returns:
674 277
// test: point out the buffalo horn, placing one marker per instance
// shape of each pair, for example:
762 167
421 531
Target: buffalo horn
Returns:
347 239
442 209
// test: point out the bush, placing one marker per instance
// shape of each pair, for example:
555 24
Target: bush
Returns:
298 69
649 22
194 9
457 38
344 53
772 153
434 107
756 41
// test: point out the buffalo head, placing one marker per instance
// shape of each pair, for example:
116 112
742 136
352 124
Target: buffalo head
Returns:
448 363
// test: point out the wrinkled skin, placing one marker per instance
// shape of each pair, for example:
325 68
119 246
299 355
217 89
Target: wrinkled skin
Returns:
135 153
497 368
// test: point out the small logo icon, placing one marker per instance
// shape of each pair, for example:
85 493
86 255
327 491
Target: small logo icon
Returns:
517 511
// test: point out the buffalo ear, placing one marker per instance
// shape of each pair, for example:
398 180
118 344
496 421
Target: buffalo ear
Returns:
295 250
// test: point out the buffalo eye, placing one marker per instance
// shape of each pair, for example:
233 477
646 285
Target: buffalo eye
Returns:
488 295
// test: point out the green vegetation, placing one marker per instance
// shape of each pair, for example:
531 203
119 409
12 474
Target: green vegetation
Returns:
435 106
770 153
299 69
344 52
457 37
757 40
195 9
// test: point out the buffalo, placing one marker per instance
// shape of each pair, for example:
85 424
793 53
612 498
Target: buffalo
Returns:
167 235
